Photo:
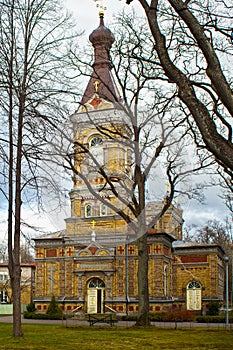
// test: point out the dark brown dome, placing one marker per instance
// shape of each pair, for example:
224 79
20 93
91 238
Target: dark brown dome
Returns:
102 35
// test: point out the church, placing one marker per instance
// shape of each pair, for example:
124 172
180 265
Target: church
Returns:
91 266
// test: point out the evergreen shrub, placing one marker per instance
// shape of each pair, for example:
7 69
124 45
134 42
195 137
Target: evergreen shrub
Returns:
53 308
31 307
53 312
214 307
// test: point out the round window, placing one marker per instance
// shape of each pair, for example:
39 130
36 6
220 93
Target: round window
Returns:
96 141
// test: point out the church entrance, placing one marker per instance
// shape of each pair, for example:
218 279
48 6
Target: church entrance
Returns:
95 296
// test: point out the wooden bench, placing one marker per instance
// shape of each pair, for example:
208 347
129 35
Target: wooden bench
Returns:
109 318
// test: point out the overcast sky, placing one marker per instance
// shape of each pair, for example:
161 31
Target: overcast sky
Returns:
86 12
86 17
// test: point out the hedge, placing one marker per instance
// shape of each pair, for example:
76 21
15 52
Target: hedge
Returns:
171 316
40 316
213 319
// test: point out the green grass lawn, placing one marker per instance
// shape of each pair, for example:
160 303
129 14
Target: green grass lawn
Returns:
56 337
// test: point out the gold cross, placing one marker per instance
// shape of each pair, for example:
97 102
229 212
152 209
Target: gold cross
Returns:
93 223
96 84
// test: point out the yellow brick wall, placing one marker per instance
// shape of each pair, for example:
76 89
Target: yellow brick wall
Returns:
179 274
205 273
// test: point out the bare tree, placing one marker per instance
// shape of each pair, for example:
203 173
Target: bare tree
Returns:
32 55
215 232
225 182
193 43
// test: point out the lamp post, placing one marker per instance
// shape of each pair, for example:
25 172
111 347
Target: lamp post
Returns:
226 259
231 268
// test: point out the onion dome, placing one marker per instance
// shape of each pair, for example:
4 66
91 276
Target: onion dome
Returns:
102 35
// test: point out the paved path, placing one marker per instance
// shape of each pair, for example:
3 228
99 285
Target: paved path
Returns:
9 319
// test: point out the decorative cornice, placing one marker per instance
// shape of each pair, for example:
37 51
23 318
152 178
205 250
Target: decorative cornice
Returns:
103 117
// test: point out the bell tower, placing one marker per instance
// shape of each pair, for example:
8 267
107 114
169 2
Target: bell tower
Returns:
102 153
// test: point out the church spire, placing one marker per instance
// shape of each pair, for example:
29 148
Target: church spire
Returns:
101 84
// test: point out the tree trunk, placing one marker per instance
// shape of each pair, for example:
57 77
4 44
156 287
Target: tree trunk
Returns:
17 327
15 282
143 291
15 285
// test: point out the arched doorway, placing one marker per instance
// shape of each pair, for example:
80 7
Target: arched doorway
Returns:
95 296
194 297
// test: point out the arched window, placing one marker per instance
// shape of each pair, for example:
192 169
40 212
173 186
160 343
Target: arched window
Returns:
193 295
96 283
96 152
88 210
96 141
194 285
103 210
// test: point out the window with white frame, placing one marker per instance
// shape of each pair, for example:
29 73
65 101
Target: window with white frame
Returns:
3 296
3 277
